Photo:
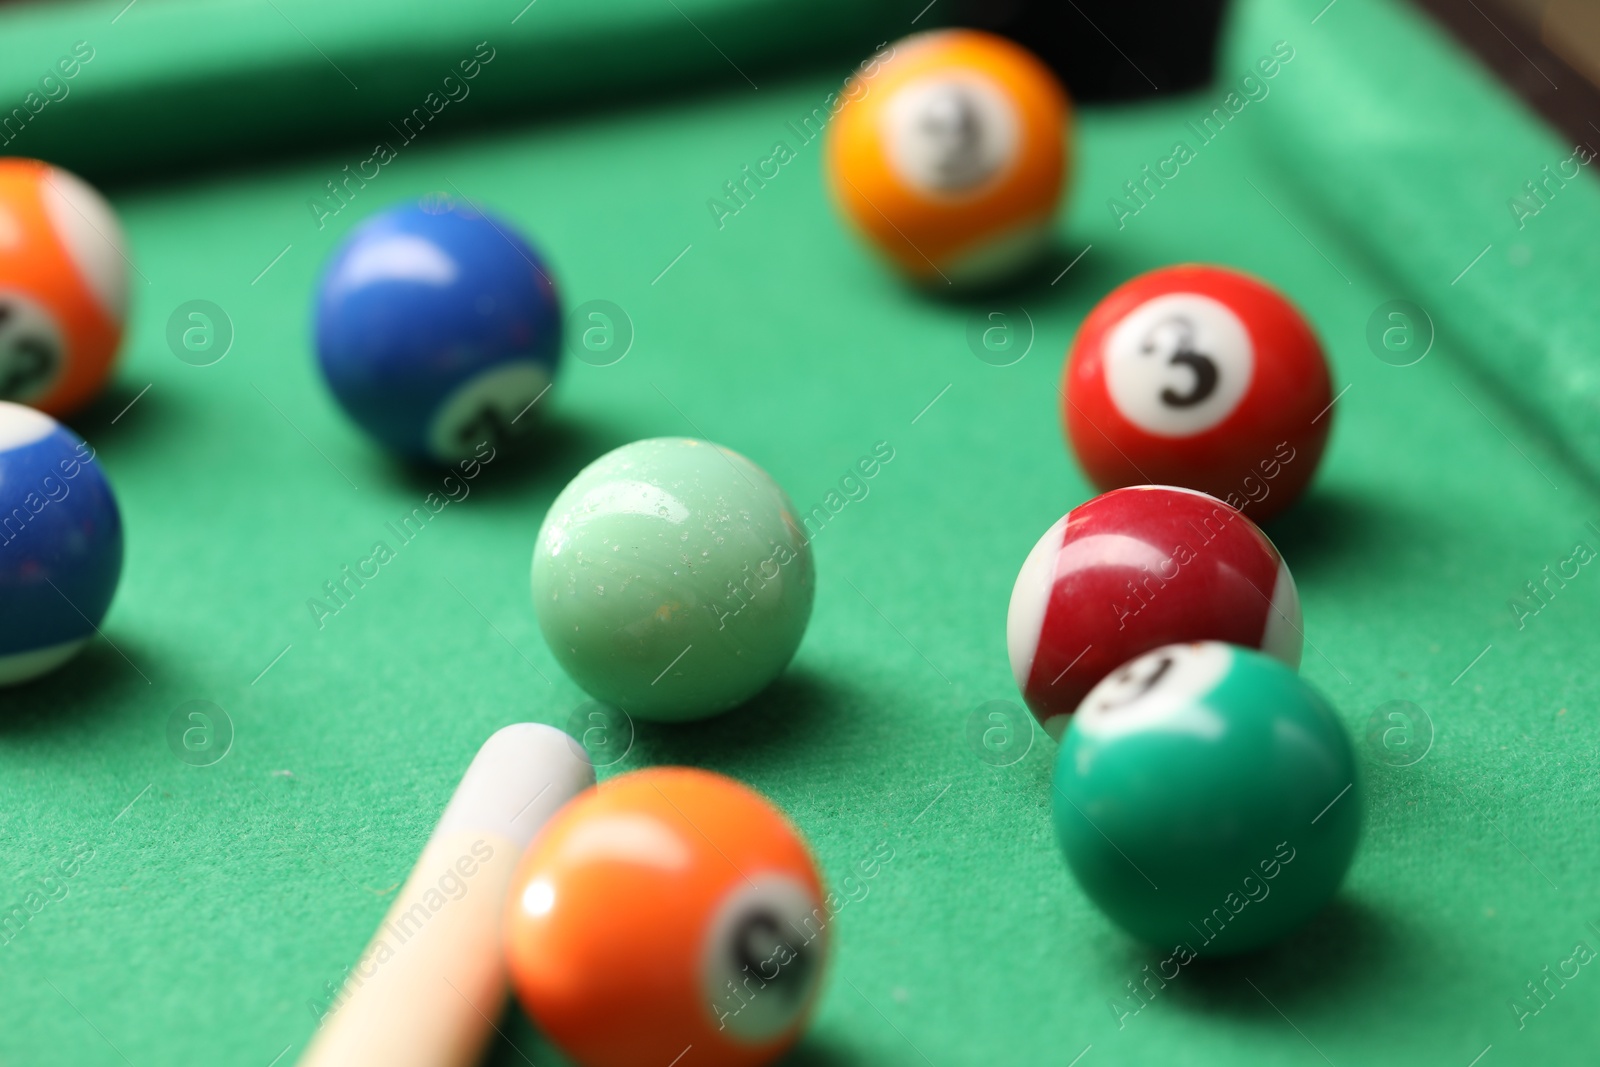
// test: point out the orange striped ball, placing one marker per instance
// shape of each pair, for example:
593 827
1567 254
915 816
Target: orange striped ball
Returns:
63 287
950 155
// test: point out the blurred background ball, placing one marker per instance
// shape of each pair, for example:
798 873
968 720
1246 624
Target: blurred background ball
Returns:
438 328
63 287
949 153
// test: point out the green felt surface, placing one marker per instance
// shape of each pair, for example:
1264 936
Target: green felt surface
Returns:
219 901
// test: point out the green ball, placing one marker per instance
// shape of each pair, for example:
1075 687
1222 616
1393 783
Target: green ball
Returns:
673 579
1207 798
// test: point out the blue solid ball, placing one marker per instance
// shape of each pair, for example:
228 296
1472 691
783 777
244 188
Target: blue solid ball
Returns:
438 328
60 543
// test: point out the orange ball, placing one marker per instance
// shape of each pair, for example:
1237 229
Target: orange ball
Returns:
665 909
951 154
63 287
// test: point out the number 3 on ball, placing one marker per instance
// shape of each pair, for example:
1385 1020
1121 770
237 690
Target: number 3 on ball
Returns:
1201 377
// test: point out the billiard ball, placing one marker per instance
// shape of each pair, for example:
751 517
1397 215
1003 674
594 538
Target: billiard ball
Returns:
1207 799
670 908
438 328
1135 569
60 543
1204 377
63 287
672 578
950 155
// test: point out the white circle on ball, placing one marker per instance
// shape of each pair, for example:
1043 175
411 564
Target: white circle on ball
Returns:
1163 687
491 408
1179 364
32 350
950 134
762 957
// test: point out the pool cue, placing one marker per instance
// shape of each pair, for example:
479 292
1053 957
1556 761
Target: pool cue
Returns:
429 986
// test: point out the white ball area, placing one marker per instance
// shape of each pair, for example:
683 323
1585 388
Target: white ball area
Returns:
1030 598
758 971
88 229
1284 637
21 426
493 407
1178 364
950 134
1160 687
